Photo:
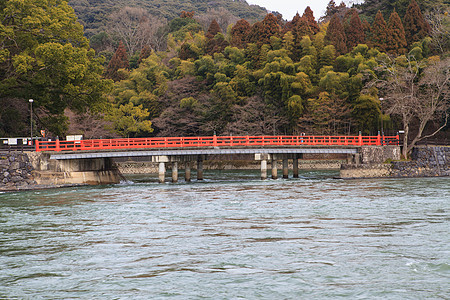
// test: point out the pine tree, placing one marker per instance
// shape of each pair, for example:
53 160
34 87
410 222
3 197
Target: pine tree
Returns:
336 35
378 33
118 61
416 27
309 16
395 40
239 33
213 29
354 30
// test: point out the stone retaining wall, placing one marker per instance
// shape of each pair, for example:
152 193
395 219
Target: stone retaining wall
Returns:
15 171
426 162
140 167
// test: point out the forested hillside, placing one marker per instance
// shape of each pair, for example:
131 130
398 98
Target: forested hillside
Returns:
199 75
94 14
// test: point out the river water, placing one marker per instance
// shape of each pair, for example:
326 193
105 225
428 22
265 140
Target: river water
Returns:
229 237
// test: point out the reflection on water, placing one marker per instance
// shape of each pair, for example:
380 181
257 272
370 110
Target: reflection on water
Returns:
231 236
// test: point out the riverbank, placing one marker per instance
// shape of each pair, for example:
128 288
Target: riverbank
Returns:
431 161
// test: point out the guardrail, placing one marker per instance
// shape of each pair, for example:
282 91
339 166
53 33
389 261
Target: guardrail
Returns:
215 141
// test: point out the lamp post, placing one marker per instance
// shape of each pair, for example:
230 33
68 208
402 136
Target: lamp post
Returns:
31 120
381 100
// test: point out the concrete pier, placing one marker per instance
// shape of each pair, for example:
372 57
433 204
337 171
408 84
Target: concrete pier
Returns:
175 172
295 167
200 169
285 169
274 169
187 171
162 172
263 169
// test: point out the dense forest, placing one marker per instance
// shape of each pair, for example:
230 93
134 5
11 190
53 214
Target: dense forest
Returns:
201 72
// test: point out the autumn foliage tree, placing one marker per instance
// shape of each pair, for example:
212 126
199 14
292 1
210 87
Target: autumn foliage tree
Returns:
118 61
378 33
395 39
354 30
239 33
309 16
415 25
336 35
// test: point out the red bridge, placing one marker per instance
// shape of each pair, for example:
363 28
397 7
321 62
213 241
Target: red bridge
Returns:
215 141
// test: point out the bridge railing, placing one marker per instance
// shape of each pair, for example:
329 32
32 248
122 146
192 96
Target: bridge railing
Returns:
215 141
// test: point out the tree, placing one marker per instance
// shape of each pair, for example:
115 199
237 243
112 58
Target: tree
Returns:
336 35
135 27
354 30
262 31
213 29
129 120
439 20
309 16
118 61
395 39
44 56
417 92
416 27
222 15
378 33
239 34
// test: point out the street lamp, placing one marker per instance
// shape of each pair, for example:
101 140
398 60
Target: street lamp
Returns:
382 131
31 120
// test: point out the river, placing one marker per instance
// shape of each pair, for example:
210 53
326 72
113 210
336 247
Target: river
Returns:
229 237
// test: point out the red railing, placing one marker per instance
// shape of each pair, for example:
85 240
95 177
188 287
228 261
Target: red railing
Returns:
215 141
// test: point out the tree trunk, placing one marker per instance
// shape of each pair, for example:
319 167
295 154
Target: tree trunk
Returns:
405 141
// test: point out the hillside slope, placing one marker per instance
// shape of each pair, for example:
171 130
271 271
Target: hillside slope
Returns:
93 14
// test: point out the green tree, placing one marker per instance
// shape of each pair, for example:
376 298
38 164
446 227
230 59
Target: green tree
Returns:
44 56
130 121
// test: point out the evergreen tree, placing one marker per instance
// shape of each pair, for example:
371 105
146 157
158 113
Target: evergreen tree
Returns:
309 16
395 40
378 33
213 29
354 30
118 61
416 27
336 35
239 34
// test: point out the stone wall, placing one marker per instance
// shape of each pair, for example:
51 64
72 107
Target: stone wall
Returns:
378 155
141 167
426 162
15 171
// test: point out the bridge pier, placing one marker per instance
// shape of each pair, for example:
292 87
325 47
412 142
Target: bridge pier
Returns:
200 169
175 172
162 172
263 169
187 171
285 168
295 167
274 168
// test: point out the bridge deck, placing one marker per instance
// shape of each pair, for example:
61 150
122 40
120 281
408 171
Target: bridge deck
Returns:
216 151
